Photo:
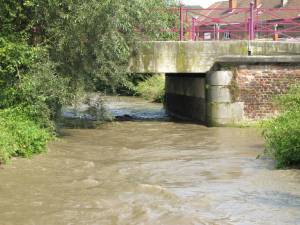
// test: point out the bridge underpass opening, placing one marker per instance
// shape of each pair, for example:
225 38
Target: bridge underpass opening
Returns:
186 96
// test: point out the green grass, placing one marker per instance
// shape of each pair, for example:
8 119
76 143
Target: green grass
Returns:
20 136
152 89
282 134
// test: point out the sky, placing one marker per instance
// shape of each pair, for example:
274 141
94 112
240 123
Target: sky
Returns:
203 3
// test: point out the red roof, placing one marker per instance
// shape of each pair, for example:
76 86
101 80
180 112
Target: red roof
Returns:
219 12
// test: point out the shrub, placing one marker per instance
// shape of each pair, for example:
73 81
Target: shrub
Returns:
20 136
282 133
152 89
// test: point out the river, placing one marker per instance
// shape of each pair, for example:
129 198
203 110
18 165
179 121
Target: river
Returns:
150 171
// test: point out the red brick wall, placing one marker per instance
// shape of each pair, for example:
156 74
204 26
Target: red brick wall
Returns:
258 84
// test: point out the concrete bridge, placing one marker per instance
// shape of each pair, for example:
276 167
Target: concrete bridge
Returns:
221 83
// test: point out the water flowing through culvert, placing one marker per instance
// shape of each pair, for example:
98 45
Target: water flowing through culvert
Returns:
129 108
151 171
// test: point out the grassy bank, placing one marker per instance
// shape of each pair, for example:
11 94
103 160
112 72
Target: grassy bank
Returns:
152 89
282 134
20 136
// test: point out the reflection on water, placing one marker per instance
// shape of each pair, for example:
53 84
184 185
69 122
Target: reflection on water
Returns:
150 172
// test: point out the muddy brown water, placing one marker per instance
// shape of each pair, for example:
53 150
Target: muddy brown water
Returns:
150 172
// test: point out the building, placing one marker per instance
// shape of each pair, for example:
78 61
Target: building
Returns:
227 20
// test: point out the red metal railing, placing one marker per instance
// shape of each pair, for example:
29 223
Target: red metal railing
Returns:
239 23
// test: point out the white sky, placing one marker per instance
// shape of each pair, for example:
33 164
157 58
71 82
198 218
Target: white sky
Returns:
203 3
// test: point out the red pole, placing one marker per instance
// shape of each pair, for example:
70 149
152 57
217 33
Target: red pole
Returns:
251 22
194 29
181 35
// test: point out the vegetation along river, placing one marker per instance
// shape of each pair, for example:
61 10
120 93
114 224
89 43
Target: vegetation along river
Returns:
150 171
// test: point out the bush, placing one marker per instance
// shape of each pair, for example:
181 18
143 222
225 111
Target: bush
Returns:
152 89
31 93
20 136
282 133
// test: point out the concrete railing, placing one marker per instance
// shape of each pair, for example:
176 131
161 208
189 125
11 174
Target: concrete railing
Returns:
199 57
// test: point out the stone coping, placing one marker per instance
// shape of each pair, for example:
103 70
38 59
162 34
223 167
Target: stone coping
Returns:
240 59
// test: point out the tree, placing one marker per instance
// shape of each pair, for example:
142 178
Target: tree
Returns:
93 39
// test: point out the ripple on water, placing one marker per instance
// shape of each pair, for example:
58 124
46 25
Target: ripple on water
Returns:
153 172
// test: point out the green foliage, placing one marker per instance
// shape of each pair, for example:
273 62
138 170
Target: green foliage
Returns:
15 60
152 89
93 42
282 133
19 135
290 101
29 78
90 40
15 17
44 91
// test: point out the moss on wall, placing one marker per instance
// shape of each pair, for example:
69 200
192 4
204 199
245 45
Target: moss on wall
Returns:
147 56
181 61
234 87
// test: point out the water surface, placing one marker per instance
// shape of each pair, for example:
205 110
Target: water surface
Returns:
150 172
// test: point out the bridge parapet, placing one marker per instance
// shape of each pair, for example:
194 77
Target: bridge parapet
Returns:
199 57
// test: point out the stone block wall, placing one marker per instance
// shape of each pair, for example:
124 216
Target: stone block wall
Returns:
222 107
257 85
